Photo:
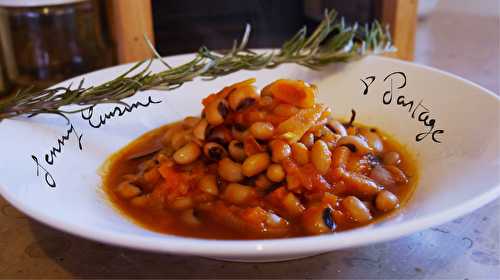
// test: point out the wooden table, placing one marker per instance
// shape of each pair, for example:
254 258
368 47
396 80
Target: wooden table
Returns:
458 41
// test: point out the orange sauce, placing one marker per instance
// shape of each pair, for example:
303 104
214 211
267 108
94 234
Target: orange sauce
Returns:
162 220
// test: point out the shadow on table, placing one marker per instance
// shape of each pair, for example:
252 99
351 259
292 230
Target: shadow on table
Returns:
88 259
433 250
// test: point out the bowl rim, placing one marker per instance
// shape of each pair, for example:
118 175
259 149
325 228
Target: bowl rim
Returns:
267 247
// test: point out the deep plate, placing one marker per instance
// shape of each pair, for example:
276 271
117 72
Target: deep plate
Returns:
457 176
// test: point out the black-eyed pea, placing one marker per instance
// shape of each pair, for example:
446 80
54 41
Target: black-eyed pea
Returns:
358 183
308 139
220 134
340 218
337 127
373 140
145 165
239 132
140 201
382 176
300 153
386 201
128 190
391 158
262 130
189 218
262 182
292 205
230 170
275 173
237 151
165 155
398 174
179 139
325 131
369 205
330 198
280 150
169 134
200 129
187 154
340 156
208 184
216 111
255 164
256 116
214 151
321 157
356 209
152 176
190 122
242 98
238 194
313 220
355 143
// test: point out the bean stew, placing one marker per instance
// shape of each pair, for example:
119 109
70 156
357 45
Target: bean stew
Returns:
256 166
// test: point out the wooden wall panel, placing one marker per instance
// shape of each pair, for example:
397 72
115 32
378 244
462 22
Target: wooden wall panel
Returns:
401 15
129 21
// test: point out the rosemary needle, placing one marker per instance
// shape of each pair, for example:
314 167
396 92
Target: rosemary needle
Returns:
332 41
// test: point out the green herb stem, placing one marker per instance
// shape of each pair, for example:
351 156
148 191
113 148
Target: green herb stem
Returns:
332 41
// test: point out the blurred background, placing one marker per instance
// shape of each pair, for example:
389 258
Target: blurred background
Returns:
46 41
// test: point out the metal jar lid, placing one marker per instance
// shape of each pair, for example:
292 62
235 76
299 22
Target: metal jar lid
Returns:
35 3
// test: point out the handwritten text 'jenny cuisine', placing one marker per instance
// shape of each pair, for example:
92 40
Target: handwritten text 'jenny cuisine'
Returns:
87 115
391 96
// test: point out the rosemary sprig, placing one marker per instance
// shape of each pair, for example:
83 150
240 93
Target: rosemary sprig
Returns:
332 41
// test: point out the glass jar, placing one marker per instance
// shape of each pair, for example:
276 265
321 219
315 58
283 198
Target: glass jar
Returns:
46 41
4 86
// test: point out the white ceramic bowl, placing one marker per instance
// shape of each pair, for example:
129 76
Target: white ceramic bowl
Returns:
457 176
